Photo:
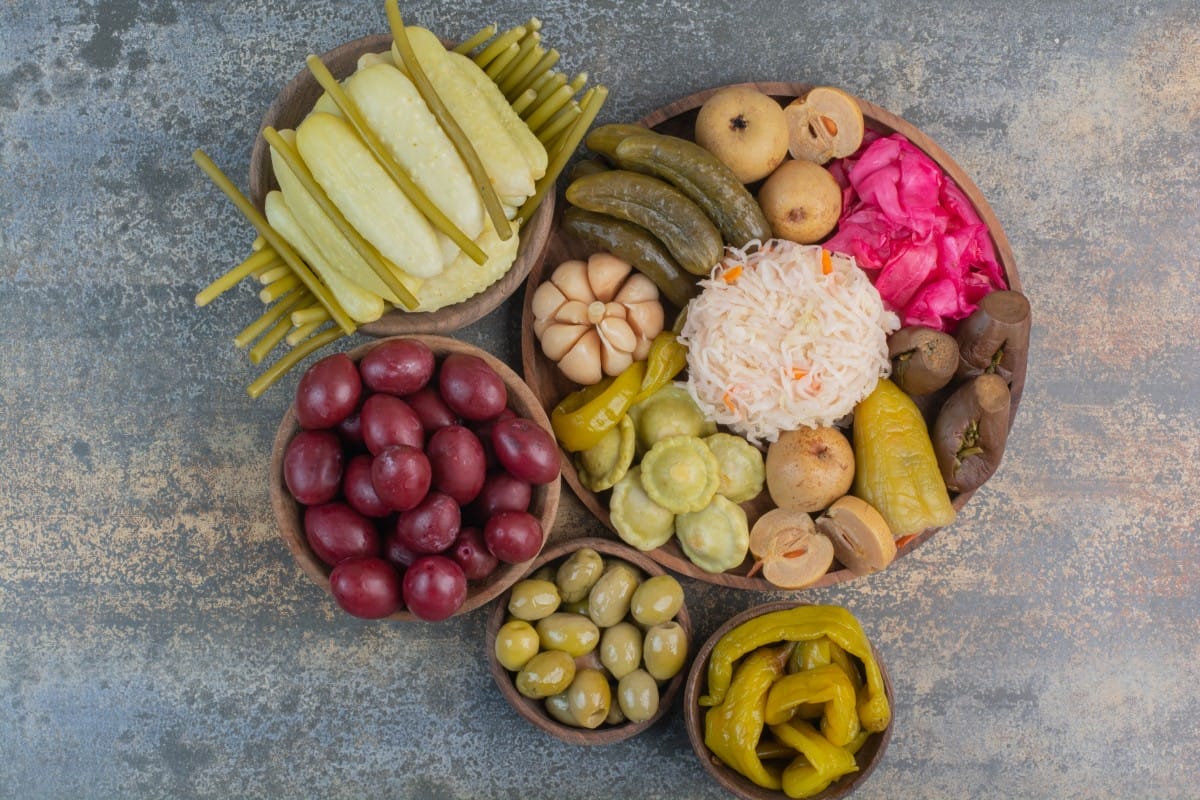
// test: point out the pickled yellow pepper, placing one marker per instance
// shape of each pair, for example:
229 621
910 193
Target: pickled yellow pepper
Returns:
826 685
895 468
802 623
820 762
732 729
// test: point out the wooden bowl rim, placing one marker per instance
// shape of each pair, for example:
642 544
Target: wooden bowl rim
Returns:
535 233
289 516
530 709
536 366
731 780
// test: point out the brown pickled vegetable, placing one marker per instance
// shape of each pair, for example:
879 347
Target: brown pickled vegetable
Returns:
923 359
995 338
970 432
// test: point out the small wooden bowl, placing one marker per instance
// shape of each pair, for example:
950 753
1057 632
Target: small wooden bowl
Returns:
549 384
532 710
290 514
868 757
287 111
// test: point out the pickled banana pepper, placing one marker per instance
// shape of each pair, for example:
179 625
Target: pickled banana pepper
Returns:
794 666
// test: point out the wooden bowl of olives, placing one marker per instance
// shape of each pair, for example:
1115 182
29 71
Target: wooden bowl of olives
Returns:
293 104
827 715
592 644
414 478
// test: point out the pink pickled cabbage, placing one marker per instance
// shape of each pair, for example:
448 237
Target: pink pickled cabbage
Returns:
915 233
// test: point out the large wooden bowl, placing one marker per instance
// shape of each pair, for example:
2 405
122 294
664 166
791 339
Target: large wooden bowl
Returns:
291 106
868 757
289 514
548 383
532 710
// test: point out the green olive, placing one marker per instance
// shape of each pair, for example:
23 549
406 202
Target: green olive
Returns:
615 715
516 643
656 600
637 693
575 635
577 575
558 707
589 697
547 673
577 607
664 650
608 601
621 649
543 573
533 598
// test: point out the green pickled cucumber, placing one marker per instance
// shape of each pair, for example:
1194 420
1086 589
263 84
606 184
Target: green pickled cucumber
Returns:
605 138
673 218
702 177
636 246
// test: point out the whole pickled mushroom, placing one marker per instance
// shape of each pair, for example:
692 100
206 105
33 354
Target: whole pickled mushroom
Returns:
971 431
995 338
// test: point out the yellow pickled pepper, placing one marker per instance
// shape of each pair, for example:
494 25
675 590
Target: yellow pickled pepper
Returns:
732 729
895 468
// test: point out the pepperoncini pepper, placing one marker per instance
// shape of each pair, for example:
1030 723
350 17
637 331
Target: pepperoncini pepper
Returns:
666 359
820 762
827 685
583 417
799 624
732 729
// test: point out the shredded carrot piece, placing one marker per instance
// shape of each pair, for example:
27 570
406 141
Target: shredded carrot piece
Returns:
731 275
798 373
903 540
728 398
826 262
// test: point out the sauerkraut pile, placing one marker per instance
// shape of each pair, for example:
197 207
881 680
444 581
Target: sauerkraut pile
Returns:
784 336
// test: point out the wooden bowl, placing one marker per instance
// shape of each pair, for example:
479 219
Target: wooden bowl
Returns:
289 514
868 757
291 106
532 710
549 384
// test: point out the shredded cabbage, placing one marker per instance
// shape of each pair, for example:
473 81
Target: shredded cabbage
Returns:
784 336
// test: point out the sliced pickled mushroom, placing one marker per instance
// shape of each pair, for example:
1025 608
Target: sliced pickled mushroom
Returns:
862 540
717 537
681 474
789 550
638 520
742 469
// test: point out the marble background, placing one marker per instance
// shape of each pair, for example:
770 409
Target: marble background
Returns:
157 640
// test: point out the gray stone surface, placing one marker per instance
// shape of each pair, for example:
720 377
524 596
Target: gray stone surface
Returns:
156 639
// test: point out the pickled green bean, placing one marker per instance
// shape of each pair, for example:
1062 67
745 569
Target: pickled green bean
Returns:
268 317
290 359
589 106
499 45
543 65
273 291
502 61
233 277
467 45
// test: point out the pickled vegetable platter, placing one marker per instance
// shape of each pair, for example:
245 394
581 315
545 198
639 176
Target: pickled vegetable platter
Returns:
559 379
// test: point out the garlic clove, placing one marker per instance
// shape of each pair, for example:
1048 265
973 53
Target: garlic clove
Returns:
617 334
582 362
614 361
546 300
637 289
617 310
559 338
606 275
573 312
646 319
571 279
642 350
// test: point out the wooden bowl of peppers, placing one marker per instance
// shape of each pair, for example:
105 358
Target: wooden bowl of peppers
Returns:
789 700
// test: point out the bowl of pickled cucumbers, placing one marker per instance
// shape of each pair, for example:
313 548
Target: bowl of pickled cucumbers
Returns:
789 700
592 645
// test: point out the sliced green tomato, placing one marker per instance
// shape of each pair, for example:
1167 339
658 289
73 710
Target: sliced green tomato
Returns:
640 522
530 146
717 537
502 158
361 305
367 196
394 111
334 246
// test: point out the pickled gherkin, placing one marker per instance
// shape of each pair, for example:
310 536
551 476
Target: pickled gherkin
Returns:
895 469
